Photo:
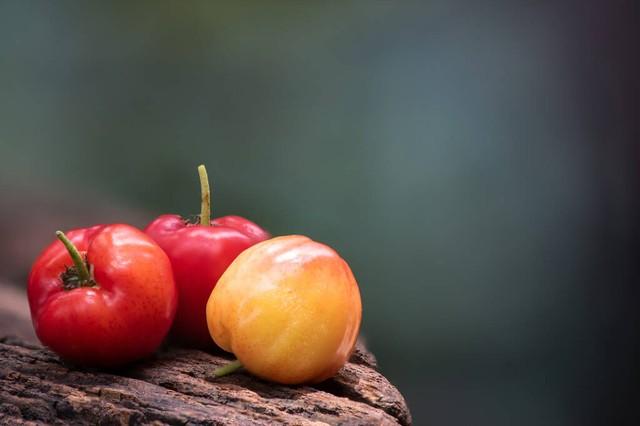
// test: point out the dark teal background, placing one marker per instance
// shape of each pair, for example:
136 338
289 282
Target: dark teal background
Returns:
475 163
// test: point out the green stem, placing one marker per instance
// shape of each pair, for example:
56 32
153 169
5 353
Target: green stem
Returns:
227 369
205 197
78 261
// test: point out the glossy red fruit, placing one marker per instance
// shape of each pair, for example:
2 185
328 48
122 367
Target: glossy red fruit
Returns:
200 253
106 299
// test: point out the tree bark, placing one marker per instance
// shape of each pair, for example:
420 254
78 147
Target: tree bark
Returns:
176 387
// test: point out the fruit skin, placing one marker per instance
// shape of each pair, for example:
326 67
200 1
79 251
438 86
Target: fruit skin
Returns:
122 319
199 255
289 309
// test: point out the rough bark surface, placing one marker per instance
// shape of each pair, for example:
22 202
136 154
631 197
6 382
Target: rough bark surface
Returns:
175 387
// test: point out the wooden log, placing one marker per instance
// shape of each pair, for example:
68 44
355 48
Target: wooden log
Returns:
176 387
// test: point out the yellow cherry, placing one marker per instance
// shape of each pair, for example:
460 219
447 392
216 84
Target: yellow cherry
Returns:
289 309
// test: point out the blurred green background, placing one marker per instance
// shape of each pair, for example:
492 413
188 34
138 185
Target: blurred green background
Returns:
475 164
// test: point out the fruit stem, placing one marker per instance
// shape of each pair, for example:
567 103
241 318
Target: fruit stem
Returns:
205 197
78 261
227 369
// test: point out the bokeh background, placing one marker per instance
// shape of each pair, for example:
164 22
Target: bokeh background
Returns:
476 163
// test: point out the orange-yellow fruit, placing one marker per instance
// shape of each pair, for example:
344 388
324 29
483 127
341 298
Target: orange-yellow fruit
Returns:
289 309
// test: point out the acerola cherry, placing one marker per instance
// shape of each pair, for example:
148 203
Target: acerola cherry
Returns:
102 296
199 253
289 309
